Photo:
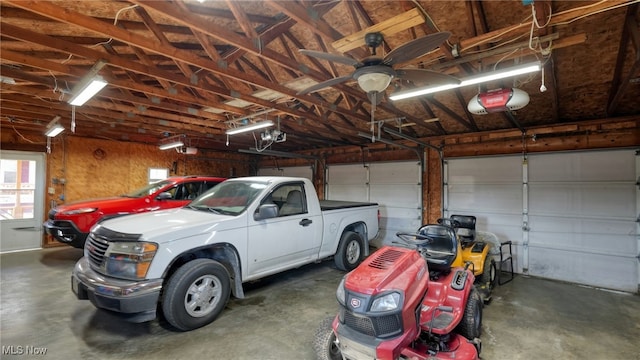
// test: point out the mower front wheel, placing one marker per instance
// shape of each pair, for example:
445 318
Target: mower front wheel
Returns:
324 342
471 322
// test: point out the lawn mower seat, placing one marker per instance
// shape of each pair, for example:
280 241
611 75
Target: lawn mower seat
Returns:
443 248
466 229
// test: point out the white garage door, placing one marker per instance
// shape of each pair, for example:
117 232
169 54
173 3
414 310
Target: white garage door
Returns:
296 171
396 187
577 212
490 189
582 218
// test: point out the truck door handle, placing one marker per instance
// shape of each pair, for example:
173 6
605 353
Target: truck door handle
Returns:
305 222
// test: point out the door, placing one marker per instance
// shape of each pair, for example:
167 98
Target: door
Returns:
291 239
396 187
572 216
21 200
582 218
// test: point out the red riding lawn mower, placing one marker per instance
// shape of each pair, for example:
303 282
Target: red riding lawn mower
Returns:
406 302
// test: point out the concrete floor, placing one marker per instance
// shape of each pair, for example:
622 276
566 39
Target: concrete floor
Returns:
528 318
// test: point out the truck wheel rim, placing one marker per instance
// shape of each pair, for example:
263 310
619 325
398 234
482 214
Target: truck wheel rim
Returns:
203 295
353 252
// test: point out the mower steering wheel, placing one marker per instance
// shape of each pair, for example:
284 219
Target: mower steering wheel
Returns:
414 239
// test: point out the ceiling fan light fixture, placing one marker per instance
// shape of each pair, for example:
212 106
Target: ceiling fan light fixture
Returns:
377 82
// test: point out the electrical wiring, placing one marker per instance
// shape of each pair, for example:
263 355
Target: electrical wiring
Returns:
115 22
597 12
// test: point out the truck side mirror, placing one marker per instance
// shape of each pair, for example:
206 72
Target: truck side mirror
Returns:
266 211
164 196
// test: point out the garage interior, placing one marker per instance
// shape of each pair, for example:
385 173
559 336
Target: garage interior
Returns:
554 168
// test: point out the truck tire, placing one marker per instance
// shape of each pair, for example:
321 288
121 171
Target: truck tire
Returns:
324 342
196 294
350 251
471 322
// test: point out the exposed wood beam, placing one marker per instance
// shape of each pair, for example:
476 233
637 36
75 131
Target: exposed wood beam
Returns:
60 68
619 85
306 17
242 19
451 113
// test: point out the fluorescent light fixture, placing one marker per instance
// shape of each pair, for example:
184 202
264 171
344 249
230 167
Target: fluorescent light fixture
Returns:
86 91
472 80
250 127
172 144
54 128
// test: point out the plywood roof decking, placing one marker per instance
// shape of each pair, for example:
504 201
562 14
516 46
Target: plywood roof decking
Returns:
185 67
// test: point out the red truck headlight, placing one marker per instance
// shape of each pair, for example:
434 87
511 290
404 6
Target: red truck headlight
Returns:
79 211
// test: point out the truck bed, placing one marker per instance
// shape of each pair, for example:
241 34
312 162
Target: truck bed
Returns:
337 204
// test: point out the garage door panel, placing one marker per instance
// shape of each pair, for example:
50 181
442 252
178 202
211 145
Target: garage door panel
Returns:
581 226
394 186
482 170
296 171
402 195
347 192
584 243
504 198
588 166
611 272
348 174
395 173
572 217
577 199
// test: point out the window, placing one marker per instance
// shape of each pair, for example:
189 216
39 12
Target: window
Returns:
290 199
17 189
157 174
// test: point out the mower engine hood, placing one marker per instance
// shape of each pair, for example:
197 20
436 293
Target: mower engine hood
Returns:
390 268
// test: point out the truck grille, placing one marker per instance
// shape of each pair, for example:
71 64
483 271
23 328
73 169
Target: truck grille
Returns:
376 326
98 242
95 250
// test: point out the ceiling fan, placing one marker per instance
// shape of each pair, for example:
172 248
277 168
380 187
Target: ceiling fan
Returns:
374 73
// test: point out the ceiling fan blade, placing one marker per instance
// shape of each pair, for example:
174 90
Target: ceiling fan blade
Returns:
416 48
324 84
330 57
426 76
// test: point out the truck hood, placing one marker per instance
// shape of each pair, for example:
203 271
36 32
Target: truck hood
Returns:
173 224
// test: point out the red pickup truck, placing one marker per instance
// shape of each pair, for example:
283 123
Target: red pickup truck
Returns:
72 222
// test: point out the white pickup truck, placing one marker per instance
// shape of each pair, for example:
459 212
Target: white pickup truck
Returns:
186 262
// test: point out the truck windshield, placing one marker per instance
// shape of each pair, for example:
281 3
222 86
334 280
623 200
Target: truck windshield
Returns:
228 198
148 190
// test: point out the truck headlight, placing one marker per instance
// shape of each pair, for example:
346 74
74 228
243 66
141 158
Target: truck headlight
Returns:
80 211
129 260
386 303
340 293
